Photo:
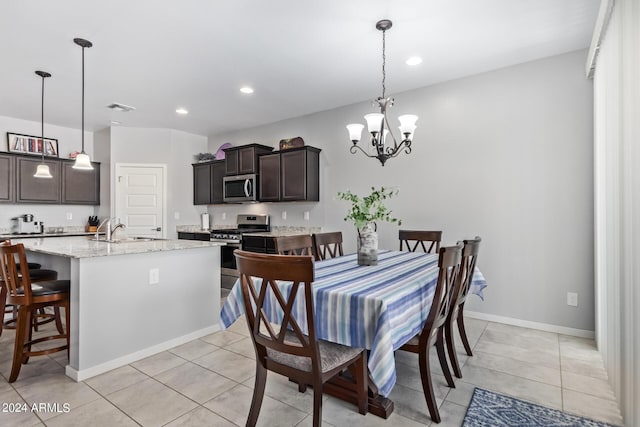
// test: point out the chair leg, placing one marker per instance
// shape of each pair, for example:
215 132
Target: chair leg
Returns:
443 358
3 304
317 403
67 316
258 394
18 347
463 333
29 336
427 386
451 347
56 311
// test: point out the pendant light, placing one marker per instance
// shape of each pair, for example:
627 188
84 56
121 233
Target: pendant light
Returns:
43 170
82 160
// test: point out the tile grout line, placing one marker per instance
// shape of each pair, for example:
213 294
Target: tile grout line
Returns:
114 405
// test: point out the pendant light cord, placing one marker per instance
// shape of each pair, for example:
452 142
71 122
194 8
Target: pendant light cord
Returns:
42 119
83 99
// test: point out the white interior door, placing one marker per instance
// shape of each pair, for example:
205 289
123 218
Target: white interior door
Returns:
140 199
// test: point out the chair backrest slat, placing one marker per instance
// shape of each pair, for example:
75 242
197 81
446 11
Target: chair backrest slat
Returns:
327 245
413 239
448 269
17 283
294 245
467 268
259 277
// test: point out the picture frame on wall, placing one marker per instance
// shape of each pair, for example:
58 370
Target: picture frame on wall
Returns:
29 144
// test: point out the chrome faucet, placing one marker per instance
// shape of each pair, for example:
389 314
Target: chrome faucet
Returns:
109 230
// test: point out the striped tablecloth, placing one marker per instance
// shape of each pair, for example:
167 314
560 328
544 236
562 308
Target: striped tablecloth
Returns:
374 307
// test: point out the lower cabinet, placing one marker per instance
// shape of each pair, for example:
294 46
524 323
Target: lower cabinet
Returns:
260 244
194 236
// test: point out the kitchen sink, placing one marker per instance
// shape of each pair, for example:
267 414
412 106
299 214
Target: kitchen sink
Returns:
126 239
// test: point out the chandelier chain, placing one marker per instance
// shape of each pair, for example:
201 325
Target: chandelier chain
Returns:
384 60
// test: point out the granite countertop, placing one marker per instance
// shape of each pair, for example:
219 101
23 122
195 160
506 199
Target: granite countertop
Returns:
42 235
83 247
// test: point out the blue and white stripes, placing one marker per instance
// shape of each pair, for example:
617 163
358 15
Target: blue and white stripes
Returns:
375 307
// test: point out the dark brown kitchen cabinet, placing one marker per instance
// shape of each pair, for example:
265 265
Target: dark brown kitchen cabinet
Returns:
295 176
269 166
37 190
80 187
244 159
207 182
7 182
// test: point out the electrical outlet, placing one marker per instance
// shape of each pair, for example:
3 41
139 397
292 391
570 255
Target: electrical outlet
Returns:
306 215
69 216
284 215
176 215
572 299
224 216
154 276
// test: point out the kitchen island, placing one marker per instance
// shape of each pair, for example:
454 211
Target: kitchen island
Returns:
132 299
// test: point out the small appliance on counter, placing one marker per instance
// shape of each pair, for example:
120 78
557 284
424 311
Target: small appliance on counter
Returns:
25 224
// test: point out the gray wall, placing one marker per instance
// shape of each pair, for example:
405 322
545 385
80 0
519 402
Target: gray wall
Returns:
163 146
506 155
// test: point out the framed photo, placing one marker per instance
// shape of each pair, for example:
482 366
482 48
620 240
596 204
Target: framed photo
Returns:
29 144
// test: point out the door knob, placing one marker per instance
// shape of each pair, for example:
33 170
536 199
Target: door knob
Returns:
157 229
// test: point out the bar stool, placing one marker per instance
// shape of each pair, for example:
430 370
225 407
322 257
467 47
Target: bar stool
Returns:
28 297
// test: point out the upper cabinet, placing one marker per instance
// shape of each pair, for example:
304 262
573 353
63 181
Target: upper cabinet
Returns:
37 190
244 159
7 178
207 182
290 175
80 187
67 185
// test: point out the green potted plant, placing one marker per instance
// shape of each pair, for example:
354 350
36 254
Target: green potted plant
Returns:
364 213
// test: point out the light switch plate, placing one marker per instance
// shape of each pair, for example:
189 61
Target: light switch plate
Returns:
284 215
69 216
154 276
572 299
306 215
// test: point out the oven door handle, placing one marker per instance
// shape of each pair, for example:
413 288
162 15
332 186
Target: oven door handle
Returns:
247 187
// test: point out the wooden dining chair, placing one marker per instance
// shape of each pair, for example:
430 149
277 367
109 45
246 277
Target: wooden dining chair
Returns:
448 269
327 245
458 298
285 348
294 245
37 274
428 241
29 297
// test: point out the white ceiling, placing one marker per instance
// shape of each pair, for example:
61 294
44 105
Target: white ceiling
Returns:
300 56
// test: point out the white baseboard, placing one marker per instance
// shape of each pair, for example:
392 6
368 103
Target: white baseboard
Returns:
83 374
582 333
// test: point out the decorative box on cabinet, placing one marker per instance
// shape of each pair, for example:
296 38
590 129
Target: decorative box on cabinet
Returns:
207 182
290 175
80 187
7 178
244 159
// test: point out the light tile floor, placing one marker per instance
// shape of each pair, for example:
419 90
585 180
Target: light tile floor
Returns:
209 381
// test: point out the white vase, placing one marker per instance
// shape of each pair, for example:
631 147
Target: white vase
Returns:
368 245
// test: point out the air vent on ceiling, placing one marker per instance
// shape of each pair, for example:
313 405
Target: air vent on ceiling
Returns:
120 107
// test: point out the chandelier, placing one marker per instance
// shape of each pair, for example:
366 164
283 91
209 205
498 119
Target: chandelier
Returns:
383 141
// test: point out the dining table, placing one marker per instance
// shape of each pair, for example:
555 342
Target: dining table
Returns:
378 307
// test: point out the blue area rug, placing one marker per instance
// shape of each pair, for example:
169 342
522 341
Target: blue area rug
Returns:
489 409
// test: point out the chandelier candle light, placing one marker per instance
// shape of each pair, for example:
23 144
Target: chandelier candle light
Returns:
82 160
377 123
42 170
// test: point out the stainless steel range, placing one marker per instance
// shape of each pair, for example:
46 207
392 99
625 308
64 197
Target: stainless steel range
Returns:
233 239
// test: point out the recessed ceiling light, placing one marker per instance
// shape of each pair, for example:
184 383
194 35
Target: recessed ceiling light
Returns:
246 89
182 111
115 122
414 60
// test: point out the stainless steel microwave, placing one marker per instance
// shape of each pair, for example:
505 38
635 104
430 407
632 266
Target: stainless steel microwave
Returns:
240 188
